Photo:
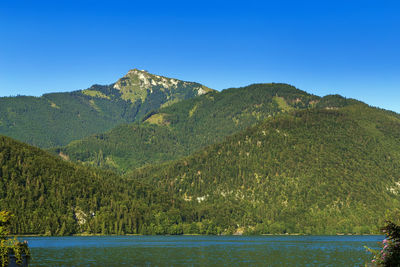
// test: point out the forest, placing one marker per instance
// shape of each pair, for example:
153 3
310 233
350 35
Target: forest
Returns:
261 159
187 126
313 171
56 119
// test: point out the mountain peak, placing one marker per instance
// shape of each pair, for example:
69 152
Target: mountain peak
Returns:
135 70
137 85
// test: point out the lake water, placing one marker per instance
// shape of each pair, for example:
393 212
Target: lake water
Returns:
201 250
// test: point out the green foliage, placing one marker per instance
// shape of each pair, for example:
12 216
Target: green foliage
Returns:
59 118
184 127
335 101
126 146
10 246
391 249
13 247
389 255
276 160
5 217
50 196
316 171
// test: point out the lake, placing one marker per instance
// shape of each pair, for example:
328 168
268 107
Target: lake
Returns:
201 250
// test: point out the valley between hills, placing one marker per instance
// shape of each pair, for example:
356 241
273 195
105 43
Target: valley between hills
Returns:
155 155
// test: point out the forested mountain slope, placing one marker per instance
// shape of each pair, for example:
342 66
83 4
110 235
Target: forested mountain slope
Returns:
321 171
182 128
58 118
329 169
53 197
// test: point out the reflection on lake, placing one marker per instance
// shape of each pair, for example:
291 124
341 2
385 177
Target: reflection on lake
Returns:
201 250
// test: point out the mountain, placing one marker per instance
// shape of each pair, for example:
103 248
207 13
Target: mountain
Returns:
58 118
315 171
270 159
53 197
184 127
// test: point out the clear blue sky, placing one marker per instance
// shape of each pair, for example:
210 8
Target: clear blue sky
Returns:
346 47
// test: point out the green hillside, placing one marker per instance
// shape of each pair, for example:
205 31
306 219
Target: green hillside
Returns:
321 171
317 166
50 196
182 128
57 119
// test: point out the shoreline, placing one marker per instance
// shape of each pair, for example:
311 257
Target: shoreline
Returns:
91 235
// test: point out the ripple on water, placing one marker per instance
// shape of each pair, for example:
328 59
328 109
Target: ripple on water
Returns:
201 250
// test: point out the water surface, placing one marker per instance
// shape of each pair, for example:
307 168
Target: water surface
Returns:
201 250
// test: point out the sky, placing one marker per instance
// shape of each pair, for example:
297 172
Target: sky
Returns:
351 48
